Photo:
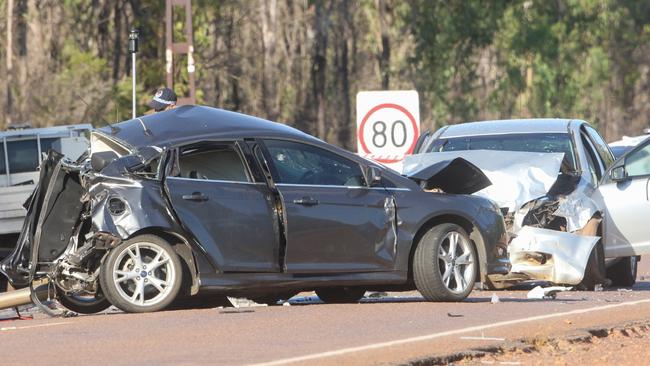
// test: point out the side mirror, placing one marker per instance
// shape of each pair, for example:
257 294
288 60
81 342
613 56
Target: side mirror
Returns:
99 160
618 174
374 176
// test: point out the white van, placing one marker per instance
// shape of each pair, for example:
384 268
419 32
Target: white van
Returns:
21 151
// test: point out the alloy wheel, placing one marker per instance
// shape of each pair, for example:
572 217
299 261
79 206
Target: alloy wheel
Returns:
143 274
457 263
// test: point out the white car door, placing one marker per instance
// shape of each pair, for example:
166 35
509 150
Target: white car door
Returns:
626 195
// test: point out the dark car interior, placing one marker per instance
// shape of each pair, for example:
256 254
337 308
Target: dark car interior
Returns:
214 163
303 164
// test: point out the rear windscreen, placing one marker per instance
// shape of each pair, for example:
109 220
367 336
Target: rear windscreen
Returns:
527 142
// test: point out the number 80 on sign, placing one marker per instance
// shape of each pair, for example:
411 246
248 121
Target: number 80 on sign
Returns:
387 132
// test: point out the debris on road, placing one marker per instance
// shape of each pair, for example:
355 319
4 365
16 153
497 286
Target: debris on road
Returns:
240 302
494 299
376 295
455 315
236 311
546 293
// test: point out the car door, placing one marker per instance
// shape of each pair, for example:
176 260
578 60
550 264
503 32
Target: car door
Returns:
334 221
626 195
216 198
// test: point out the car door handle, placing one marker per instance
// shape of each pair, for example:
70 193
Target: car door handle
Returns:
306 201
196 196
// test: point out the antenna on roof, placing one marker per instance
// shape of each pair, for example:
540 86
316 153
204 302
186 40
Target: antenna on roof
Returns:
146 129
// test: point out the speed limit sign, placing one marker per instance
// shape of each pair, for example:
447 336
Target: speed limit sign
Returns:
388 125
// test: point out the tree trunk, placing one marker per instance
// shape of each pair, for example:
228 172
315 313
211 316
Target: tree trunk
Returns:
384 56
319 67
268 13
117 41
9 53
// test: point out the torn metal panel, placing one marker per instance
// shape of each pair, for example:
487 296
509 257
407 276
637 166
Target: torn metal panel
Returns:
517 177
457 176
578 207
551 255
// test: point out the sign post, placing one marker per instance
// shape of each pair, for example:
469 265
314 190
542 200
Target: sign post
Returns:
133 49
388 125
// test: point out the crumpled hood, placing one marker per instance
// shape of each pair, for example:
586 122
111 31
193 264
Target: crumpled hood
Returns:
517 177
457 176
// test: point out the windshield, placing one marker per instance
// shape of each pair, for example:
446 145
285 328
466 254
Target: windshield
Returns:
529 142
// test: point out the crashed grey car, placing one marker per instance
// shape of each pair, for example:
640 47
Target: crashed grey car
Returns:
198 200
576 215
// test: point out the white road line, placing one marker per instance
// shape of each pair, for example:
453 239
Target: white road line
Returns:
32 326
482 339
344 351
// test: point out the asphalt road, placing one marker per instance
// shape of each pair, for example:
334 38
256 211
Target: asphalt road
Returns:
397 328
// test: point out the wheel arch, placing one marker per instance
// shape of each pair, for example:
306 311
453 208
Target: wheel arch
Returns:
183 250
476 239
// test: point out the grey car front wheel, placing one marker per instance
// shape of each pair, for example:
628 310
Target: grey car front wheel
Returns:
445 264
623 273
142 274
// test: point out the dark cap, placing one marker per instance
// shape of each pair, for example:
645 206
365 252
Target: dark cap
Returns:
163 98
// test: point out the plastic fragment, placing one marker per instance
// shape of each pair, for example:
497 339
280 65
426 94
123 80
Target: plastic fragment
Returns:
545 293
495 299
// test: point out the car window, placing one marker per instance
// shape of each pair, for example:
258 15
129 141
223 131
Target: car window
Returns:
594 169
23 156
601 147
298 163
46 144
638 163
212 162
526 142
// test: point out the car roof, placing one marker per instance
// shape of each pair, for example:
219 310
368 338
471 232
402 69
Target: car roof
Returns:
533 125
190 123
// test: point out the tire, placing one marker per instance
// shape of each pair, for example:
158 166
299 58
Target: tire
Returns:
595 270
340 295
85 305
623 273
439 274
136 289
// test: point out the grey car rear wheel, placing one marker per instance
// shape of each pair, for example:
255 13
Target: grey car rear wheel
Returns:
85 304
142 274
445 264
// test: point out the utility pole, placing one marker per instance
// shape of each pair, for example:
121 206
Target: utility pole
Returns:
180 48
9 53
133 48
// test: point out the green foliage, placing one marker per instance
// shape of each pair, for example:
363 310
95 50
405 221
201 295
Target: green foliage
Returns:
469 60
